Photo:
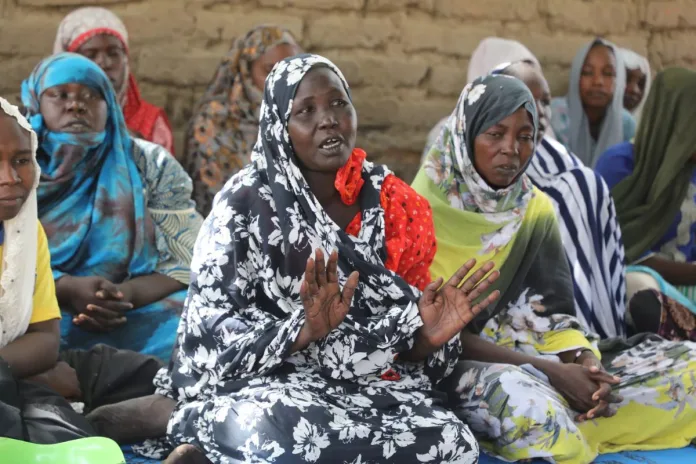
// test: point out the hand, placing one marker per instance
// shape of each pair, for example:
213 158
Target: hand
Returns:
325 306
583 388
63 379
95 302
603 396
446 310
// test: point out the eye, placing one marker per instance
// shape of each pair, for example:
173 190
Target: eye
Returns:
495 135
526 138
22 161
339 102
304 110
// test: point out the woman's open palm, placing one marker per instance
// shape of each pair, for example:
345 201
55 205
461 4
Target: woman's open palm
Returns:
447 309
325 305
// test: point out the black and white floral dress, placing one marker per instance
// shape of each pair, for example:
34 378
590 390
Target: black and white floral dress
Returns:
242 396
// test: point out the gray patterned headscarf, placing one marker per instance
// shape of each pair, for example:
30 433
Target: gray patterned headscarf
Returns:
611 132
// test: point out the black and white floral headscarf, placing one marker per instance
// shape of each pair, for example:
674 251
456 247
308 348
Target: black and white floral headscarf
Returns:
244 310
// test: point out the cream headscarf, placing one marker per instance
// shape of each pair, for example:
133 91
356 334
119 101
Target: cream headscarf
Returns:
493 51
633 60
18 276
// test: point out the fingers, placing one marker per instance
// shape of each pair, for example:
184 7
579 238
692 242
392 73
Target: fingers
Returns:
108 291
602 393
599 376
490 299
478 277
483 286
97 324
430 291
311 278
332 268
601 410
462 272
103 313
320 267
119 307
349 288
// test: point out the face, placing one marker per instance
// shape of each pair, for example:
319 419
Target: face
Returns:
502 151
73 108
598 77
323 123
16 167
109 53
262 66
635 88
535 81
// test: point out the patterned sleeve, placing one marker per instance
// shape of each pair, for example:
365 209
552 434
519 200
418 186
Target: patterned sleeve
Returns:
173 212
410 232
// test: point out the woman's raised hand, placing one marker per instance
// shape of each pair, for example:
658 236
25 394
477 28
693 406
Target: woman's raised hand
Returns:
447 309
325 305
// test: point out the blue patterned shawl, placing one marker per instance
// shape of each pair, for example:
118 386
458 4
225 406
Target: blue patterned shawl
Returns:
91 197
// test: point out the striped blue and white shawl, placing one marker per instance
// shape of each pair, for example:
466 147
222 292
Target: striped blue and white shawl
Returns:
591 235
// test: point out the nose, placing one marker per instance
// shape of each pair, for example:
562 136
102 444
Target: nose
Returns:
103 60
328 120
76 105
8 174
510 145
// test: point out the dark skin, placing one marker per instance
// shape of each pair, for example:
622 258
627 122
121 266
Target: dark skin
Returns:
109 53
262 66
635 88
98 304
597 84
582 382
535 81
37 350
322 112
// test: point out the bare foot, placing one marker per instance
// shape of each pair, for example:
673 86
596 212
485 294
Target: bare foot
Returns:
187 454
133 421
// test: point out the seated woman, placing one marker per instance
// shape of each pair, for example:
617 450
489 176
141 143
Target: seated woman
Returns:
591 117
224 127
638 79
275 362
117 212
530 377
100 35
29 313
653 182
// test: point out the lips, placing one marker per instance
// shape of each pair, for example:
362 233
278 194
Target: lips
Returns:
331 143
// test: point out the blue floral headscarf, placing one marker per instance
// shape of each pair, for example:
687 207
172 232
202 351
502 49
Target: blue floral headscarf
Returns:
91 198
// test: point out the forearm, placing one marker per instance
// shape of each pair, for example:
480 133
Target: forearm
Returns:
475 348
421 349
673 272
63 290
145 290
33 352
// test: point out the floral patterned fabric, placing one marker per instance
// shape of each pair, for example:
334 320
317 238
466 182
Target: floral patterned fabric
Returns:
223 129
241 394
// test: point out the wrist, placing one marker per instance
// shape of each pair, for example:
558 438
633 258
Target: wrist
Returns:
64 289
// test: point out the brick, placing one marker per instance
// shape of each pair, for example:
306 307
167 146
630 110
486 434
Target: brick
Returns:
675 49
554 48
156 21
500 10
67 2
374 108
448 80
177 70
28 35
381 71
334 31
315 4
418 35
637 43
671 14
400 5
14 71
591 17
424 113
229 26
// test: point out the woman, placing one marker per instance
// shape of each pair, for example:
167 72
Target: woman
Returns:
29 314
117 212
586 218
638 78
591 117
100 35
275 363
531 377
490 52
223 129
653 182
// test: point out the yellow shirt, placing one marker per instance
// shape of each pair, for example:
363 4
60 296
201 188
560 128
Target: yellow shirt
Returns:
45 301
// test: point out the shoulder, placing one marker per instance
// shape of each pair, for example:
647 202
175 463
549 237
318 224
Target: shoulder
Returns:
397 189
629 124
616 163
559 104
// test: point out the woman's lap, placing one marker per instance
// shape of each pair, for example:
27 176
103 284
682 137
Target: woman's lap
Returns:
150 330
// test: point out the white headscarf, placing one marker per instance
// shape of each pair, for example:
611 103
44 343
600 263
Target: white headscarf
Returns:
633 61
18 276
493 51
